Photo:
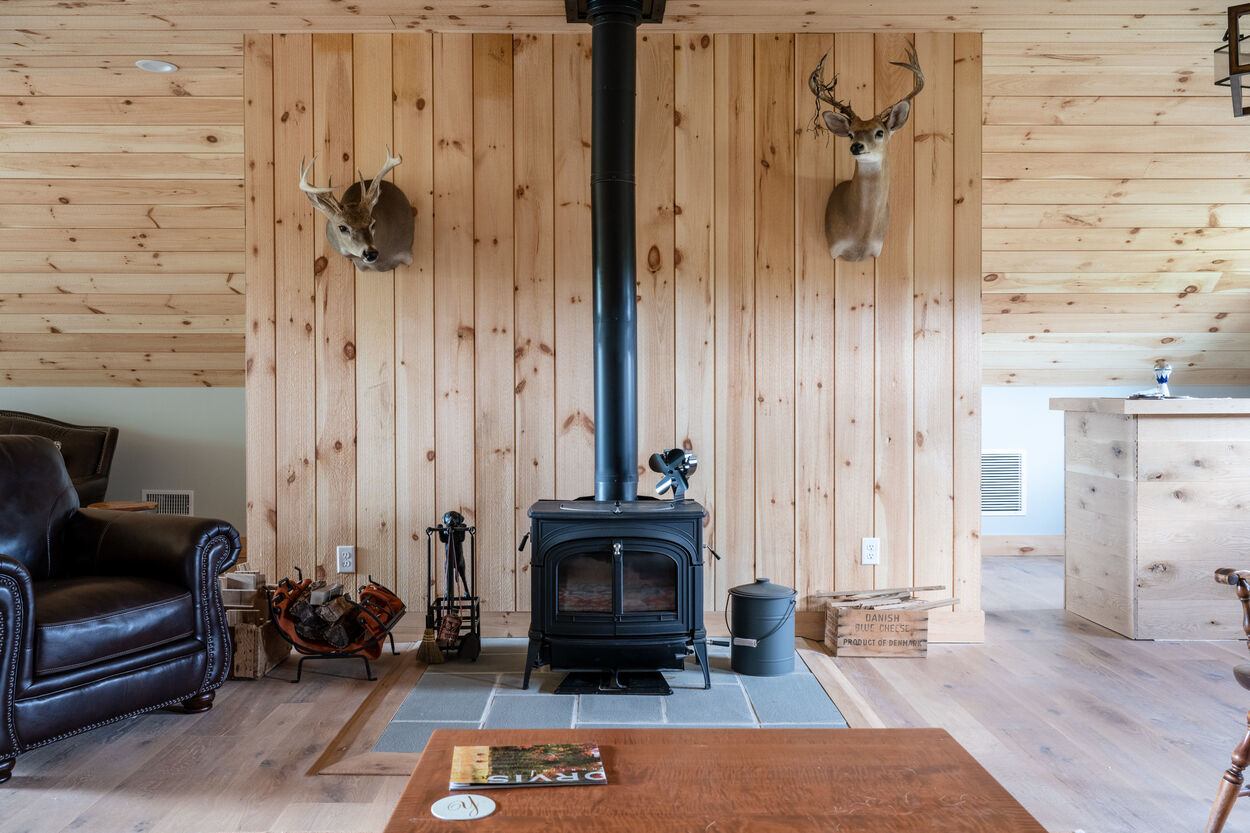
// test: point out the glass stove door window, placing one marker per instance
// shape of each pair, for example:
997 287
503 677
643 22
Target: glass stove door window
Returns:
584 584
649 583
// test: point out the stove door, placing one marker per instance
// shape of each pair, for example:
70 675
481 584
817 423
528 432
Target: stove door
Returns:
606 586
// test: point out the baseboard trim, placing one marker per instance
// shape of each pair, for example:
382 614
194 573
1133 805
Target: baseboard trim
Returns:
944 625
1021 545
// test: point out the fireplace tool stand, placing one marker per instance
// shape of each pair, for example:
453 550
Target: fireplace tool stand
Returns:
456 617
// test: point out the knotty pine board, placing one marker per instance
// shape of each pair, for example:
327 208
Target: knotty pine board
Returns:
472 385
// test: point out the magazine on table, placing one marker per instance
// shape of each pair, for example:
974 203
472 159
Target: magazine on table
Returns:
537 765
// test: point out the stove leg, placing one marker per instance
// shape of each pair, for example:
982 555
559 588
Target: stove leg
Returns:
531 661
700 653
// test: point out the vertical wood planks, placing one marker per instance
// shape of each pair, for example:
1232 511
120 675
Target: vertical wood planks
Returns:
654 200
735 311
494 380
534 316
415 508
830 401
260 377
295 348
454 337
694 276
335 287
774 307
966 331
375 340
895 280
854 401
933 112
815 315
574 374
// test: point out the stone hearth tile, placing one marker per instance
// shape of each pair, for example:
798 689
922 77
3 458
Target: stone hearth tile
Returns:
490 662
504 645
791 698
412 736
718 706
553 712
541 682
620 708
692 677
448 697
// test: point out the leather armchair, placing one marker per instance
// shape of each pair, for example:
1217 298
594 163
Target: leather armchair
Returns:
86 449
103 615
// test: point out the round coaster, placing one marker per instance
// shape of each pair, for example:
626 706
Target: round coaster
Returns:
460 807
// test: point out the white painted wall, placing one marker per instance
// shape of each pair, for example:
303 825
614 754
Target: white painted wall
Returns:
1020 418
168 438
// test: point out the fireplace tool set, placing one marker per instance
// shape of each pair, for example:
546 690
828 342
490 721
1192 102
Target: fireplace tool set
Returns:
455 615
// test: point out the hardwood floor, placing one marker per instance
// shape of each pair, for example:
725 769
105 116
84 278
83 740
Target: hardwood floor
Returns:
1088 730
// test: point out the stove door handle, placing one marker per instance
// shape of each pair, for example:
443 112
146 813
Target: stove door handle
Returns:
524 541
712 551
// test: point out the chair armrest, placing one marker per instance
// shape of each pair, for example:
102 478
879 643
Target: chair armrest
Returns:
17 644
1229 575
189 552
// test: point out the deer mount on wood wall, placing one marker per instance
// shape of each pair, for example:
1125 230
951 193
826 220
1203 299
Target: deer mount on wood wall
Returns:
858 212
373 221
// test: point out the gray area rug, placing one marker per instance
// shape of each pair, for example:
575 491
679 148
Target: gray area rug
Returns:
487 694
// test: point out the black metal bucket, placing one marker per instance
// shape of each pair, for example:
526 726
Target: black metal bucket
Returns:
761 628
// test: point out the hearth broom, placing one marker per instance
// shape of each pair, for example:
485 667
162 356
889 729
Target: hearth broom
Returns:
428 651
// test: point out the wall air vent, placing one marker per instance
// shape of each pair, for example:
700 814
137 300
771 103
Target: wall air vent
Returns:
171 501
1002 483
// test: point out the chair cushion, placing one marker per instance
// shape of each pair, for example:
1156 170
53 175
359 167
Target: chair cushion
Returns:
84 620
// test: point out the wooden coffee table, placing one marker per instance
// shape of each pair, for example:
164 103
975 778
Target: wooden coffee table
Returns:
721 780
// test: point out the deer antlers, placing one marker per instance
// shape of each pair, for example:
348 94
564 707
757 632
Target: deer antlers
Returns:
325 196
824 91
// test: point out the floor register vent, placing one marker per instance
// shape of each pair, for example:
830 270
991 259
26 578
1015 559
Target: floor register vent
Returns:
171 501
1002 482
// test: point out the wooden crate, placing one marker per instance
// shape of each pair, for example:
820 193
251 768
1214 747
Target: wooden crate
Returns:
257 649
864 632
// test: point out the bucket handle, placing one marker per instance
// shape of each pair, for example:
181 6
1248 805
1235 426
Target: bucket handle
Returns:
751 643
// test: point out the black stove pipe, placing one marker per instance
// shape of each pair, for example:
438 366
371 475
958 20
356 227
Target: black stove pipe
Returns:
614 26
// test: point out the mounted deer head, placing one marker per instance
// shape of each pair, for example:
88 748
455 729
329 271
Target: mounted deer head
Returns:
372 224
858 212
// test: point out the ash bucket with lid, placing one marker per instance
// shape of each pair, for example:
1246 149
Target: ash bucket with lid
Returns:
760 617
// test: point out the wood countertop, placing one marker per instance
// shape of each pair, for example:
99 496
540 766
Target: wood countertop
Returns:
1152 407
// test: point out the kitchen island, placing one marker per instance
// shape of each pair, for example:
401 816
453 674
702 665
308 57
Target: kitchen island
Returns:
1156 497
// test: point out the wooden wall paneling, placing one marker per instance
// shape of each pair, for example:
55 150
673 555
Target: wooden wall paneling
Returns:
965 339
694 275
454 336
933 116
413 73
574 379
655 246
18 110
372 117
774 307
735 311
534 315
294 346
854 401
334 284
125 191
494 345
815 316
895 328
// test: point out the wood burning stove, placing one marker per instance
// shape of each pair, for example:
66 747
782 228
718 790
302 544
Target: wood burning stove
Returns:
617 583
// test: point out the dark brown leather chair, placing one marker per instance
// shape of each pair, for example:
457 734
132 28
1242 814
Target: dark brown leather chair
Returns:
103 615
87 449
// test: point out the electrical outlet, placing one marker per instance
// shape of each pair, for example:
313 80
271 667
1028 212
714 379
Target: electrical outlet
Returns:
347 558
870 552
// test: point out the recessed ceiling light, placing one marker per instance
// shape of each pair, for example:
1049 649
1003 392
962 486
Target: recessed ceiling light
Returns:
149 65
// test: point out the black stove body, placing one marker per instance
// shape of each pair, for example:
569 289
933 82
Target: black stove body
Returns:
616 585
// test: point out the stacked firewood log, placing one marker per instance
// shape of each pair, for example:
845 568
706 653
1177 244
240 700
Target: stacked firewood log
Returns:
894 598
325 614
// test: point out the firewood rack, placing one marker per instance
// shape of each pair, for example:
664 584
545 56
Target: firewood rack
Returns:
308 652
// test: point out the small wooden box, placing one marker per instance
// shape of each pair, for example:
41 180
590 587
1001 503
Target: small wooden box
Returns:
860 632
257 650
